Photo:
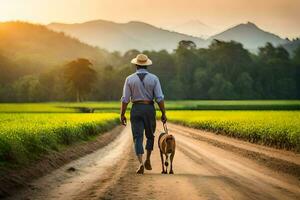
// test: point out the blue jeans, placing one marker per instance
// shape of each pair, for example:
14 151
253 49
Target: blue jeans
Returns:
142 118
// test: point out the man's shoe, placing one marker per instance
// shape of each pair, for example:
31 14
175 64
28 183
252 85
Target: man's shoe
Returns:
148 165
140 170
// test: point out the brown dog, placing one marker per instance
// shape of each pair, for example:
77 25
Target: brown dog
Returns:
167 145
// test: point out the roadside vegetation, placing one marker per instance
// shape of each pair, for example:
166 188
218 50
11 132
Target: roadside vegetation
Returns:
279 129
24 137
114 106
28 130
34 108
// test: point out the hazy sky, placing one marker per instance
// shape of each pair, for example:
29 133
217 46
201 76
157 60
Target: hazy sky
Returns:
278 16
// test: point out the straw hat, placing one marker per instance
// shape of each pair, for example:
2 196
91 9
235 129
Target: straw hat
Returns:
141 59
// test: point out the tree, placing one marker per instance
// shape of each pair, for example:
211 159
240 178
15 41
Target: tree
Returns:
201 83
296 57
187 44
267 52
244 86
27 89
130 54
8 70
221 88
186 61
80 76
296 63
225 70
164 67
287 88
229 59
107 91
275 72
175 90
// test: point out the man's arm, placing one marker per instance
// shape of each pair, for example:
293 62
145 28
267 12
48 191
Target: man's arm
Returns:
125 100
123 111
161 106
160 100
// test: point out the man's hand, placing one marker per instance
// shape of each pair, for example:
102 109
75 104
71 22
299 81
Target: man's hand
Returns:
123 120
163 118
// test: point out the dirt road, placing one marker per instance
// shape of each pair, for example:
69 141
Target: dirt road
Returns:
206 166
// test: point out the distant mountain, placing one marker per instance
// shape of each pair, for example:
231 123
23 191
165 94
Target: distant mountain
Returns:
124 36
249 35
291 46
142 36
195 28
37 47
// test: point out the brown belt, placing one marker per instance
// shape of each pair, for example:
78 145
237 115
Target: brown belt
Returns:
144 102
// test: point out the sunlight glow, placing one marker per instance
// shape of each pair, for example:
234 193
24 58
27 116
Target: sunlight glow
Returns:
278 16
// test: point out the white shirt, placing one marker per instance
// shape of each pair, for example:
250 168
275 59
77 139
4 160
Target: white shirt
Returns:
135 90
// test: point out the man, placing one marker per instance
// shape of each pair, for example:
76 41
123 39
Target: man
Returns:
142 88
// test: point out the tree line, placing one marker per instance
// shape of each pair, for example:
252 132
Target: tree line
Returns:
224 70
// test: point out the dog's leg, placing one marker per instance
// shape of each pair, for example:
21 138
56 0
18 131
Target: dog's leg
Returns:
162 163
171 160
166 162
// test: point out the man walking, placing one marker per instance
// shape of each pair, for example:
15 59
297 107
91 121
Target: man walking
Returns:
142 88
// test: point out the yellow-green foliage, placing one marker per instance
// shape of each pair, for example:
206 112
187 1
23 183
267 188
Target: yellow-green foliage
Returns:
275 128
26 136
234 105
170 105
35 108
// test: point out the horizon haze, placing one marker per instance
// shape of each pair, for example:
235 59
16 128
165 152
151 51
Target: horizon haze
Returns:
277 16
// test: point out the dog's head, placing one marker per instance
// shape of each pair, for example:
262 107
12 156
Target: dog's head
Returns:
170 143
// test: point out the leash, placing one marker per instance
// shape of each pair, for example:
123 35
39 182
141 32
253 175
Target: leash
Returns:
165 128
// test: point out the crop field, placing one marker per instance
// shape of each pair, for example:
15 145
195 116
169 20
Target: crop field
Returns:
275 128
30 129
35 108
25 136
234 105
200 105
113 106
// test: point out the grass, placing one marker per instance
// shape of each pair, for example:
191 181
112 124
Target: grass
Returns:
275 128
114 106
206 105
31 129
35 108
24 137
234 105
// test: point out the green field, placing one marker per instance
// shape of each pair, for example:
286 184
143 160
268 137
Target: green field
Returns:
170 105
276 128
31 129
35 108
24 137
234 105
